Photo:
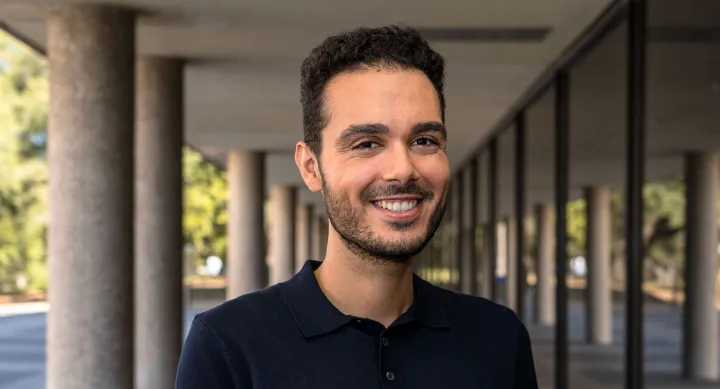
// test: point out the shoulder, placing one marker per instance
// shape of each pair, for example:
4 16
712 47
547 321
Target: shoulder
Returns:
215 351
246 311
478 312
480 320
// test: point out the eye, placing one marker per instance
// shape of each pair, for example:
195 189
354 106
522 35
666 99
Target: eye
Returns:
368 144
425 141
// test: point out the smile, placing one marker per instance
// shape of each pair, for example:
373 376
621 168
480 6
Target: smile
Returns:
397 205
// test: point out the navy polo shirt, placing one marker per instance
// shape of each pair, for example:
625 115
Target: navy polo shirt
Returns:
291 336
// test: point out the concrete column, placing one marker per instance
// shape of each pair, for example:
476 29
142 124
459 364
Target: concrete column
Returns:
303 234
283 200
158 222
501 261
246 230
91 51
599 291
545 296
701 258
468 215
488 278
510 258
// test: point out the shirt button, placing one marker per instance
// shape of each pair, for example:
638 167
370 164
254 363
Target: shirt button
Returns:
385 341
390 376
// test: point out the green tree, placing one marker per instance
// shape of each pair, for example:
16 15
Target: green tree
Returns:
577 227
24 174
23 171
205 217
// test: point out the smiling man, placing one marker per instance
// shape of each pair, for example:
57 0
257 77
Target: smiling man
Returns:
375 147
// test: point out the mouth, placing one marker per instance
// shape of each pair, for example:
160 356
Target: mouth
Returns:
399 209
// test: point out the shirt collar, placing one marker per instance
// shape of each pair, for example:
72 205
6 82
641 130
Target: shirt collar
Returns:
316 315
313 312
429 305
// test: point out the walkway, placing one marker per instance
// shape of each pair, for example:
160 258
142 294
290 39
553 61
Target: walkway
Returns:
601 367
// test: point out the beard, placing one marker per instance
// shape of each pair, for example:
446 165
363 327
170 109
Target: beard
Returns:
357 234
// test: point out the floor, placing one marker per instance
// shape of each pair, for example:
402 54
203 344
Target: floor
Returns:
602 367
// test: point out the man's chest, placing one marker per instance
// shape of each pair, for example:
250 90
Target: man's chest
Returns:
362 361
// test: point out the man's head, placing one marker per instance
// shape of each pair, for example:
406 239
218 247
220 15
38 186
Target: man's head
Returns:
373 117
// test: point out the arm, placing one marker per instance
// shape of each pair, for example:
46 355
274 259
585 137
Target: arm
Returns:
203 361
525 377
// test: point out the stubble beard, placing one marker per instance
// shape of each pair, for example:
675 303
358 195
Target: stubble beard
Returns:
358 237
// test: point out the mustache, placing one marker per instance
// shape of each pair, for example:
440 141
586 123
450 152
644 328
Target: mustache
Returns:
411 188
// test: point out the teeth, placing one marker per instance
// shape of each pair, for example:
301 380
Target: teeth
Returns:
398 206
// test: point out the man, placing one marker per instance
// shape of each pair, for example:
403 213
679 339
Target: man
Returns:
373 114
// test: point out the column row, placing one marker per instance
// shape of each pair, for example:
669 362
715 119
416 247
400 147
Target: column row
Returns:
115 241
700 319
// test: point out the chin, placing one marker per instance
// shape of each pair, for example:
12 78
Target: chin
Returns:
401 253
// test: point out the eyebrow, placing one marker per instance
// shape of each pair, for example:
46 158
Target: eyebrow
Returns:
365 129
424 127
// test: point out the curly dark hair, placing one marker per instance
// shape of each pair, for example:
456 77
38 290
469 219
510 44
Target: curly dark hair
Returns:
390 47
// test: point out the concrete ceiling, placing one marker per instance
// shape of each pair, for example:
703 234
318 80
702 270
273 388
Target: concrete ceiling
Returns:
242 81
242 78
682 107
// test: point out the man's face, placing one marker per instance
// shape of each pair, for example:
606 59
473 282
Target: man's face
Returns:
383 165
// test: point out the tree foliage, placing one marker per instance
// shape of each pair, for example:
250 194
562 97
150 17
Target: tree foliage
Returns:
23 170
24 174
205 217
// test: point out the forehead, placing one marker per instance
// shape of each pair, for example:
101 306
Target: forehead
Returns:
396 98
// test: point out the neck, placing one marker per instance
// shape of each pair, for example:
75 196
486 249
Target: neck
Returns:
375 289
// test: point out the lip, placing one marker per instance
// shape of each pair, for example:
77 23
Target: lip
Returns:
400 215
397 198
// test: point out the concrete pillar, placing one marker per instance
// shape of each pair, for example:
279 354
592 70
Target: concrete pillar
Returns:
91 52
283 200
501 261
545 296
599 290
468 215
158 222
247 269
303 234
701 258
510 260
488 278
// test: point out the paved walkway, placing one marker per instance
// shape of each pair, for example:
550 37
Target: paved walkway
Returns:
22 348
602 367
22 351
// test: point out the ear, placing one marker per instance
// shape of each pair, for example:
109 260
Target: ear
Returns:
308 165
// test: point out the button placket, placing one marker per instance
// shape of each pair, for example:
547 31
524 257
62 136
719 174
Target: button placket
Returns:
386 369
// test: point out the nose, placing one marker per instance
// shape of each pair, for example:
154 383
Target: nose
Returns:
400 167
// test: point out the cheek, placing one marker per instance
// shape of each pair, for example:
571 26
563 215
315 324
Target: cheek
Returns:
436 173
353 183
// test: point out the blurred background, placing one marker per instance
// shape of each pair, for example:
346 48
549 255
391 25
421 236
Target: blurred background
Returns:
597 119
